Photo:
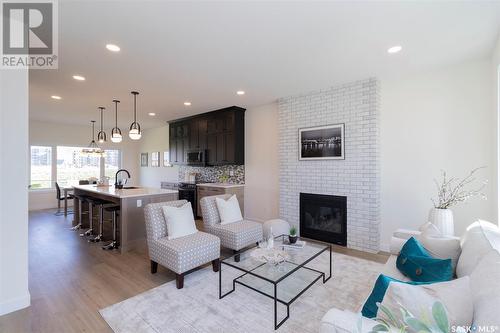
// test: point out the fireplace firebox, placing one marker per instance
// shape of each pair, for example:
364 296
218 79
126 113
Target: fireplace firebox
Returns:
324 217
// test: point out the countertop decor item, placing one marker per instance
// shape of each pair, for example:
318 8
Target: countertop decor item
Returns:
293 235
452 191
135 129
116 133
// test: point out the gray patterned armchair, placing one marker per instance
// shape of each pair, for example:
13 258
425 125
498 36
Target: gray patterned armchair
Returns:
234 236
181 254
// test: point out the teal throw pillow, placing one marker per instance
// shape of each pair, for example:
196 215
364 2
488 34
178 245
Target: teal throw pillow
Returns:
418 265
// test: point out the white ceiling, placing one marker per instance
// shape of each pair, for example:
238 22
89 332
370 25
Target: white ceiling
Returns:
205 51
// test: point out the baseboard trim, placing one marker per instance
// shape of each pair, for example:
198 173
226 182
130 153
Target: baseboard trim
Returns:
15 304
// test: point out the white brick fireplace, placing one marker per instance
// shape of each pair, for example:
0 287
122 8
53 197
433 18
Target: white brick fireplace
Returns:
357 177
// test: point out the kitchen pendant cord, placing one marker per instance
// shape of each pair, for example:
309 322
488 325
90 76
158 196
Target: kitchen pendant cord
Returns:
101 108
116 112
135 93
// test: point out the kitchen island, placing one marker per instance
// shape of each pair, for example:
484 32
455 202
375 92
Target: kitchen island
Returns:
131 225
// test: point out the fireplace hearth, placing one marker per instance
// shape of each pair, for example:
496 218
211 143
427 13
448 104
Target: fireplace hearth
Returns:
324 217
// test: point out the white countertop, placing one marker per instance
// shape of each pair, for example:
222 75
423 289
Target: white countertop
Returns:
221 185
126 192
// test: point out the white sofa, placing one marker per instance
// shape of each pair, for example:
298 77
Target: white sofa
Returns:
479 259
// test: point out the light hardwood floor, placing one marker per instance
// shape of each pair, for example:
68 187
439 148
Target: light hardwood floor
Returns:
70 279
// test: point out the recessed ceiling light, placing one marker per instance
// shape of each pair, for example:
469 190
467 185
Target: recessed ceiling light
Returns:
240 92
78 77
113 47
394 49
152 114
187 103
56 97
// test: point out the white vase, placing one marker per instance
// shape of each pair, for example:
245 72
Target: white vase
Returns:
443 220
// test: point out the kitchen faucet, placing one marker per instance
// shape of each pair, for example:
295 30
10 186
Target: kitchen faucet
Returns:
116 178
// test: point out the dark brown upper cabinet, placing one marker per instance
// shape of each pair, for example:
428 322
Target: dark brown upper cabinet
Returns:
179 141
221 133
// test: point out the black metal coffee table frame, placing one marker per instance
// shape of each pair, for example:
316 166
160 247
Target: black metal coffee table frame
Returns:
275 283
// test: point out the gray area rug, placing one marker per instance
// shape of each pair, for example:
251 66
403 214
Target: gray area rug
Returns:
197 307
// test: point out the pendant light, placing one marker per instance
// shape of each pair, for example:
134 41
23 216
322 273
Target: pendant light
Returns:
101 136
135 129
116 133
93 148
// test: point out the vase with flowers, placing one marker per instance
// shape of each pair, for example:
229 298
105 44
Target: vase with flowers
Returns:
452 191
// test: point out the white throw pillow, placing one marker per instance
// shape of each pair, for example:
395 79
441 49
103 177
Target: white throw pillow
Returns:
442 247
180 221
455 295
229 210
430 228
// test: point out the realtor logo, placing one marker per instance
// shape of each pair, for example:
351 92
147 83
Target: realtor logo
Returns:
29 34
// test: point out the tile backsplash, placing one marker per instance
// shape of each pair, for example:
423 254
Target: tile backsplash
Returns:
235 173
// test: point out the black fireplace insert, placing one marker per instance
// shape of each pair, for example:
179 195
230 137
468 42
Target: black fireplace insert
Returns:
324 217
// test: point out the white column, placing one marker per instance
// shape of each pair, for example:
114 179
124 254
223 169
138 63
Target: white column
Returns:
14 176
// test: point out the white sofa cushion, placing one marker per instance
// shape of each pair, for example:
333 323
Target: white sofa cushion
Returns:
180 221
485 285
392 271
480 238
455 295
229 210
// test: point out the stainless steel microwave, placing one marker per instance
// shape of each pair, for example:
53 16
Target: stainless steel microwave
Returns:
196 157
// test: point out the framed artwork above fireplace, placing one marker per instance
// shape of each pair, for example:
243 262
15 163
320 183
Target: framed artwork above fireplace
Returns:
322 143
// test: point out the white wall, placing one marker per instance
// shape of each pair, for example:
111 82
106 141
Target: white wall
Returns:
441 119
438 120
495 76
52 134
262 163
156 140
14 294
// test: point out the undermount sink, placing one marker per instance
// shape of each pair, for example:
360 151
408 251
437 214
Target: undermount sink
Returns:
130 187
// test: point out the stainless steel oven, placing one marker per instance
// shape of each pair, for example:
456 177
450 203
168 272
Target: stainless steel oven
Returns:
196 157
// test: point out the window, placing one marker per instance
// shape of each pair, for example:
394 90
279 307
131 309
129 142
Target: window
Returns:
73 166
112 163
69 166
41 167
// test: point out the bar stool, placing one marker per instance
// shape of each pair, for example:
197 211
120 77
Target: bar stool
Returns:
115 211
81 199
100 205
90 212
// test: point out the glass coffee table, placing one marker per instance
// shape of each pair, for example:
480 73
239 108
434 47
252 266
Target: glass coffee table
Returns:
284 282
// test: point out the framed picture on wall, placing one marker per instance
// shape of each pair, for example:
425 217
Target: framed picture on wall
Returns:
166 159
155 159
144 159
322 143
